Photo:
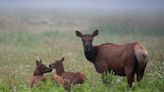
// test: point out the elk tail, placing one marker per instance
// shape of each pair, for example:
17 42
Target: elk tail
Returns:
141 55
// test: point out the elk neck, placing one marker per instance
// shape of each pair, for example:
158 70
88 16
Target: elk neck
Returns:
60 70
92 54
37 73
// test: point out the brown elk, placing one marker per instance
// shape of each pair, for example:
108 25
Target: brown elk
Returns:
124 60
69 78
39 71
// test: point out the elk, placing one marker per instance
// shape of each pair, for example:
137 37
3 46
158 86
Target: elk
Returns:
124 60
39 72
68 78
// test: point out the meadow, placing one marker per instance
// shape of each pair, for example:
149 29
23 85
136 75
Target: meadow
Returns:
50 35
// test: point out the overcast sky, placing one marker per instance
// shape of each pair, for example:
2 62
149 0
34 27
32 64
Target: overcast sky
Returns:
86 4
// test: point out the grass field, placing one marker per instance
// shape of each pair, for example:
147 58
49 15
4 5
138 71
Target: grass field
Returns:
25 36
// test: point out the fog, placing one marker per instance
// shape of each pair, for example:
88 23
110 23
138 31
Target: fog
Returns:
86 4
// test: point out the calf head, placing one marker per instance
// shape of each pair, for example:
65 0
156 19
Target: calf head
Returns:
87 39
57 63
41 68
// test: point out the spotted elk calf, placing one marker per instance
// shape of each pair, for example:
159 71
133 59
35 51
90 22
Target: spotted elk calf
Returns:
124 60
39 71
68 78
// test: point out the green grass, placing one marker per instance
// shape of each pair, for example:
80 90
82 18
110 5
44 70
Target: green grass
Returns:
21 44
18 62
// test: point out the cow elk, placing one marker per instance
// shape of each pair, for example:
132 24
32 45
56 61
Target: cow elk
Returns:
124 60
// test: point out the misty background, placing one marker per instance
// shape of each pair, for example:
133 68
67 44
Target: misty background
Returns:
86 4
117 16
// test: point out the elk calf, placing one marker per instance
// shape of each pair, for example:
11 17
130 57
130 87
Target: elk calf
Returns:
124 60
39 72
68 78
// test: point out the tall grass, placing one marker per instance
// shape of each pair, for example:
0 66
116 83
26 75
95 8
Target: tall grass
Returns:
20 49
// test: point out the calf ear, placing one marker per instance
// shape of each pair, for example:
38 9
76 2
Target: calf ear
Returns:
95 33
37 62
78 34
62 59
40 61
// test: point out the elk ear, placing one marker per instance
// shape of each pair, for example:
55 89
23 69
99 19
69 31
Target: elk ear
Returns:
95 33
62 59
40 61
78 34
37 62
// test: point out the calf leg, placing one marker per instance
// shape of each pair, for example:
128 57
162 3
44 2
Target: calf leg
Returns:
130 76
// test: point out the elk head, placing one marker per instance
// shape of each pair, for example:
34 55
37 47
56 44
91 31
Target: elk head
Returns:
87 39
41 68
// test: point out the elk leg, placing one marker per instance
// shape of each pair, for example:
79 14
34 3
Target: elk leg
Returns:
140 73
130 76
101 68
